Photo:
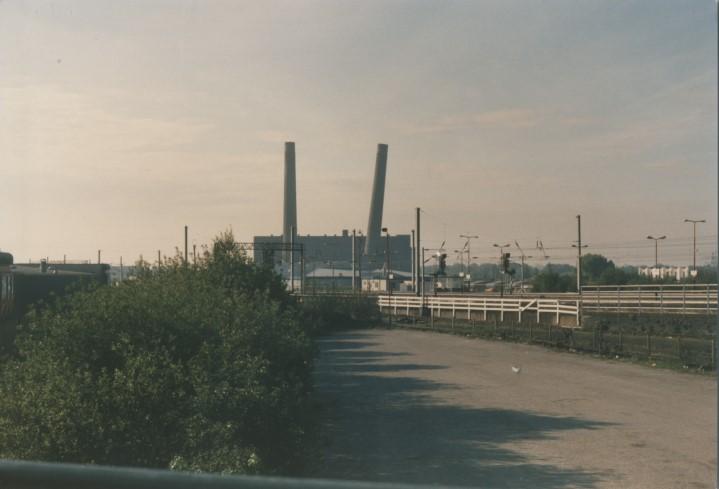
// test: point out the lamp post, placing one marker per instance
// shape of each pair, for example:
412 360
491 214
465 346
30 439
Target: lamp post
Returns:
469 238
694 249
522 270
656 249
460 255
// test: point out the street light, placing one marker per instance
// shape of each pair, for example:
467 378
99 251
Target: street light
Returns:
656 249
523 258
694 259
460 256
466 245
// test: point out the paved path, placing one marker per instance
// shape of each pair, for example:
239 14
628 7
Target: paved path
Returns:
407 406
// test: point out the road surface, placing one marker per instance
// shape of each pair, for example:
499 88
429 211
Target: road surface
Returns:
417 407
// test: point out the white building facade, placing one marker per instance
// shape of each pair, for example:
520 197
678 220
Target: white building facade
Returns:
658 273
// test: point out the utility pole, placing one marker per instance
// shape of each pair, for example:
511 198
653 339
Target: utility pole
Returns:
159 259
302 268
359 267
194 254
421 280
716 328
412 255
419 260
388 262
98 256
579 247
292 258
354 259
694 249
522 269
185 245
122 270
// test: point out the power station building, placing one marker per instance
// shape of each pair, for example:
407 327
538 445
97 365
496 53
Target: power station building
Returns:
334 251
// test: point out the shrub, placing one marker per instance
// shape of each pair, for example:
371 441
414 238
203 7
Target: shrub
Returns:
202 367
327 313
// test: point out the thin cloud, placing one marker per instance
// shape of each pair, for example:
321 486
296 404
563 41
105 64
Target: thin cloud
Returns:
509 119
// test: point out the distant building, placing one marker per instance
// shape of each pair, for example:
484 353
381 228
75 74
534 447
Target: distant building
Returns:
659 273
119 274
333 252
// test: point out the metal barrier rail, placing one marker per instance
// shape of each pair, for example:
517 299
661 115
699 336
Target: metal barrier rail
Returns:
403 305
39 475
669 299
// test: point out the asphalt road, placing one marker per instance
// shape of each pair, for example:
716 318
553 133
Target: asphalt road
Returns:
407 406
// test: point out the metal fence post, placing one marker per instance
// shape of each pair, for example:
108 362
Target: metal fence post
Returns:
556 305
707 299
579 313
661 299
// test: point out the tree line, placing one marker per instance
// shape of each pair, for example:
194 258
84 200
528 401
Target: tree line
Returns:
596 270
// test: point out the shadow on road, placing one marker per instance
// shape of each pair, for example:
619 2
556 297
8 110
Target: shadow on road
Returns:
383 422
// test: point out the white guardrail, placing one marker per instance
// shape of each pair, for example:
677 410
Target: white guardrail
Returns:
661 299
467 307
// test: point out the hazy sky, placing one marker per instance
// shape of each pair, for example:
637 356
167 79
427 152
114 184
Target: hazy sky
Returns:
120 122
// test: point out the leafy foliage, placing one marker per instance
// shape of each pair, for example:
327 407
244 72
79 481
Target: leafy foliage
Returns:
549 280
329 313
202 367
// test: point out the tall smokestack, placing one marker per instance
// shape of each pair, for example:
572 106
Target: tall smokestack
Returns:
289 215
374 227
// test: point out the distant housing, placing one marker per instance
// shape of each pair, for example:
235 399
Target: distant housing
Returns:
658 273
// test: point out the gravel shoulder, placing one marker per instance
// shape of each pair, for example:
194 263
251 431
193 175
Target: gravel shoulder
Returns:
417 407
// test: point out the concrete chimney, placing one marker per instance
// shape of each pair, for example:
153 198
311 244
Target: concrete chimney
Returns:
374 226
289 215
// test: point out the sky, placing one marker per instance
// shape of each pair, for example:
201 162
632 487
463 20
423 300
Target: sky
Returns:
122 122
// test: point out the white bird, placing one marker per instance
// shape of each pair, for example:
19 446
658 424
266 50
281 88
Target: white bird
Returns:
516 370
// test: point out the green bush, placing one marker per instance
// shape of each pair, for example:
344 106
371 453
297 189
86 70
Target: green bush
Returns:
327 313
203 367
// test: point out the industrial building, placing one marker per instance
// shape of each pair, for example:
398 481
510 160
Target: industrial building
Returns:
328 251
334 252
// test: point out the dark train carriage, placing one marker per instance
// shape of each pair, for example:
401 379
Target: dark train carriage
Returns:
42 283
7 286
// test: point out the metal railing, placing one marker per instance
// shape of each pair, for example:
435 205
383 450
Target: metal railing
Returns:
658 299
39 475
467 307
